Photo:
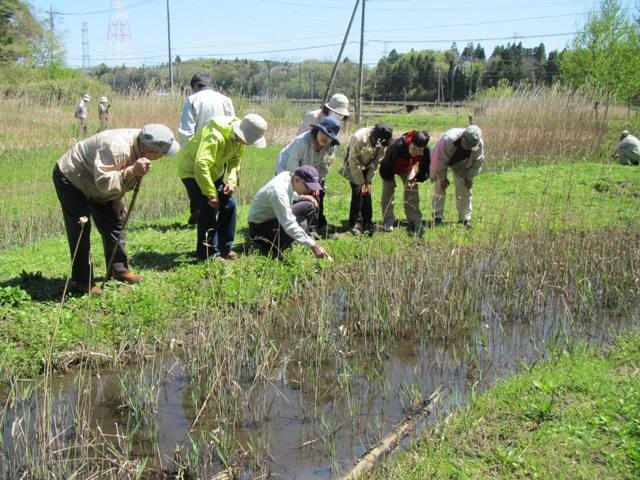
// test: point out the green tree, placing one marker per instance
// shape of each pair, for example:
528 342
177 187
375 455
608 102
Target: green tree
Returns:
23 39
605 55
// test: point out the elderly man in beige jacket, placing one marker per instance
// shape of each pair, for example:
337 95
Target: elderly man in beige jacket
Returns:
91 179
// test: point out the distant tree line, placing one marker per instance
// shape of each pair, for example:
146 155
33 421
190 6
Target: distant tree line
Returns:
602 58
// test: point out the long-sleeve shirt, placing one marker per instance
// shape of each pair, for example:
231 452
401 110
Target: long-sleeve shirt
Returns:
447 153
302 151
398 161
100 165
313 117
81 109
198 109
362 158
274 200
628 150
213 152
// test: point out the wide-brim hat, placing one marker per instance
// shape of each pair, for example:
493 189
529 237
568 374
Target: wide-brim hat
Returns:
103 100
251 130
339 103
330 127
86 97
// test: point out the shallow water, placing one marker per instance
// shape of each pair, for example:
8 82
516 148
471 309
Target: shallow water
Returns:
314 425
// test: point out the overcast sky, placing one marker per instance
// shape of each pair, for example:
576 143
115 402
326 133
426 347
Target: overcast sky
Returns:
136 33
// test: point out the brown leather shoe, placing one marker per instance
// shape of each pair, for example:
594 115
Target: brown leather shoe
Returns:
230 255
92 289
126 276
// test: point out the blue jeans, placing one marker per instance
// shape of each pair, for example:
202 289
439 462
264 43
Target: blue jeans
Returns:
216 225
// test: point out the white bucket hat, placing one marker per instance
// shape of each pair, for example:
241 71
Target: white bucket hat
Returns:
86 97
104 100
251 130
339 103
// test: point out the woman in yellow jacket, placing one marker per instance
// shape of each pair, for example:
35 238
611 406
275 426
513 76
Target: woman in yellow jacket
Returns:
208 167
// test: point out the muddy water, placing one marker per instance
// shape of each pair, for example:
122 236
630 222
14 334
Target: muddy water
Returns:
313 425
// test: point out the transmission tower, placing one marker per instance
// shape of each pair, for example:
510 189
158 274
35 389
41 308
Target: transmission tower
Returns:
119 40
85 46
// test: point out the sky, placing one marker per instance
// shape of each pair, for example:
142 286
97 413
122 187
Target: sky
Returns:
292 30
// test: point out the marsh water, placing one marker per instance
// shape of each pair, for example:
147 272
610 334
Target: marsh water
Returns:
314 423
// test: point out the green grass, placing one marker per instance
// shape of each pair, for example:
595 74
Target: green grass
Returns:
566 195
576 416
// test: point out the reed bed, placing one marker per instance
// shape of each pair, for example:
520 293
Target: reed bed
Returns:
536 123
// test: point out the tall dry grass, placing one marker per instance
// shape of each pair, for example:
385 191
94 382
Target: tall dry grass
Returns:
539 122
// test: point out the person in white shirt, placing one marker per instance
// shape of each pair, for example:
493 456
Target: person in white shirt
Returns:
200 107
628 150
282 212
337 107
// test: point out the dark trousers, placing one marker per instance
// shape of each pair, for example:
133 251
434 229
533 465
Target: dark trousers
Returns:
216 225
75 205
320 221
271 239
360 210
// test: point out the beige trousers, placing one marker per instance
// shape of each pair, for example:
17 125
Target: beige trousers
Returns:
463 198
411 200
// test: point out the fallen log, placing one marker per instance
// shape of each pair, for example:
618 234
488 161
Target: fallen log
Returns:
391 440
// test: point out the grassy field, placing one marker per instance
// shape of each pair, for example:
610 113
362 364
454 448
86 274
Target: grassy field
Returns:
554 219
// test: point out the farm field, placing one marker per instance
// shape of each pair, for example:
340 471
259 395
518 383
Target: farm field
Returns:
299 366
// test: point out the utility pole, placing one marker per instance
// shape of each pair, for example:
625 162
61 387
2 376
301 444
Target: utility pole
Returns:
335 66
169 42
360 73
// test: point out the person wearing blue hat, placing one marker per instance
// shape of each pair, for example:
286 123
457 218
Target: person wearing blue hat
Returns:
282 212
317 148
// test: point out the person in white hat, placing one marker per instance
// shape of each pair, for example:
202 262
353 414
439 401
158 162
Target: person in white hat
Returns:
82 113
628 149
337 107
91 179
103 113
208 167
202 105
462 151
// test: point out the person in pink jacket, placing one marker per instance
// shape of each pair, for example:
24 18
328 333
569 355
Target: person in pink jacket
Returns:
460 150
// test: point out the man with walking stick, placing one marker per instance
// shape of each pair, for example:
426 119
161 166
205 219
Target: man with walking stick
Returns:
91 180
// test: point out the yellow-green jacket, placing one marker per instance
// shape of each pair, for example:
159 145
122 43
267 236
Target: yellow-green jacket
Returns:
212 153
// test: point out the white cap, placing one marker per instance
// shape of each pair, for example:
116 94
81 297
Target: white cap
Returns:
251 130
103 100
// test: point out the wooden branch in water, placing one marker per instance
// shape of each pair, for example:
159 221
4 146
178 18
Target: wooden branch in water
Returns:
391 440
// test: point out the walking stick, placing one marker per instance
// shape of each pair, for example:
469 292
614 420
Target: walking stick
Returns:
136 189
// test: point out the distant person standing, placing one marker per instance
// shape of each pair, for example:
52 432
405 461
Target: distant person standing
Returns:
628 150
201 106
366 149
337 107
462 151
209 168
91 179
103 113
317 148
408 158
82 114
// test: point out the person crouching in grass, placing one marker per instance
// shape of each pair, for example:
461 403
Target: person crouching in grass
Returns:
283 210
